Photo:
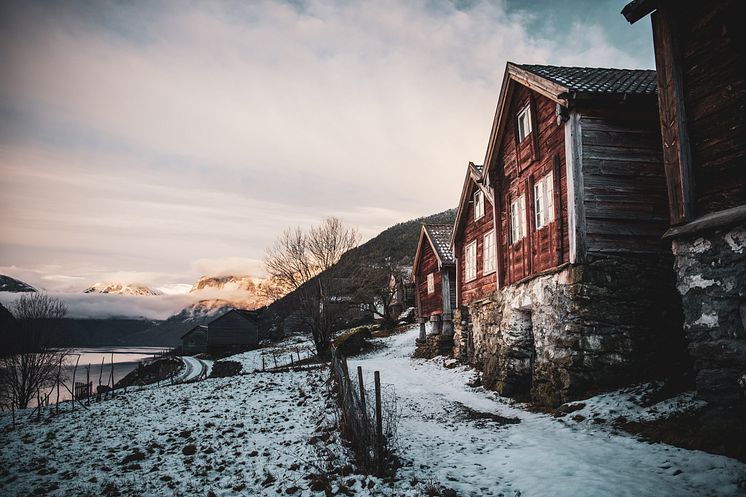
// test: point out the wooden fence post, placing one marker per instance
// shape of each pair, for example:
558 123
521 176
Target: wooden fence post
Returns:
362 389
75 370
379 424
262 361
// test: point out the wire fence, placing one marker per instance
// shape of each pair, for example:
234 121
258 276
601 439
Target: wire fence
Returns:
367 421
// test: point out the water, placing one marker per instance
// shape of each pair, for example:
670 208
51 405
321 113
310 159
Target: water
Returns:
123 359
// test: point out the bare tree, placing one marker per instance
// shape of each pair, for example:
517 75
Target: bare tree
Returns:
296 262
29 364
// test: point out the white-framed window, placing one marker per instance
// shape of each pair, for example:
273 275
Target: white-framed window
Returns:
470 261
544 200
524 123
518 219
430 283
478 204
489 254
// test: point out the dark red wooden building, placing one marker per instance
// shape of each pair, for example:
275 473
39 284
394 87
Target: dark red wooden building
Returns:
434 274
585 291
473 239
700 55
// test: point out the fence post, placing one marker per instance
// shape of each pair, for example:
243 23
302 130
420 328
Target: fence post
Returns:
262 361
362 389
274 356
379 424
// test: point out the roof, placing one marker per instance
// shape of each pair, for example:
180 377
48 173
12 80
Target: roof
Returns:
438 236
598 80
637 9
192 330
474 179
566 86
440 239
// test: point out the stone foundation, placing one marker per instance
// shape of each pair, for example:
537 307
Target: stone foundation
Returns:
433 346
711 278
577 331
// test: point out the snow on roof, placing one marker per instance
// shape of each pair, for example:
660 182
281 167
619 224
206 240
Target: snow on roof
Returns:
440 236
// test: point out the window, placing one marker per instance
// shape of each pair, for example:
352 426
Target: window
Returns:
471 261
488 253
524 123
430 283
518 219
478 205
544 201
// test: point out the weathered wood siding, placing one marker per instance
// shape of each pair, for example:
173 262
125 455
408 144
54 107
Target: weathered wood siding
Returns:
232 329
624 186
482 285
701 68
519 167
428 303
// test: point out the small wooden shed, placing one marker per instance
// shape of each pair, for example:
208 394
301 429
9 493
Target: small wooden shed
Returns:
236 329
434 274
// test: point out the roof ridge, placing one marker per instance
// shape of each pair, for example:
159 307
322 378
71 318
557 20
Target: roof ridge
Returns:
583 67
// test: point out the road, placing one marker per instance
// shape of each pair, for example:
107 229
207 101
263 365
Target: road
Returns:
194 369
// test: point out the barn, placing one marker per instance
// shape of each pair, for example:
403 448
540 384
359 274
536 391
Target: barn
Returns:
582 295
236 329
701 67
194 341
434 272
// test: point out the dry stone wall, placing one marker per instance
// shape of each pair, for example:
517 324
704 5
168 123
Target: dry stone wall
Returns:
711 277
582 329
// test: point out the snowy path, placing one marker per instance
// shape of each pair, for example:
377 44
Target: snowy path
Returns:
540 456
194 369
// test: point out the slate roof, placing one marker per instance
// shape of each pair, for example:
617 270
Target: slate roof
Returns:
440 234
598 80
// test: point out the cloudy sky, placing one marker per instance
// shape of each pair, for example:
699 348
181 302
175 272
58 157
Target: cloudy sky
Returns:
152 142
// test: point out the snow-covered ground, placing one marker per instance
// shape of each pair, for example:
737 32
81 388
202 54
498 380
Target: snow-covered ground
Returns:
446 441
266 433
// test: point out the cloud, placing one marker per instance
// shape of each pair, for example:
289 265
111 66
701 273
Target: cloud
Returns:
144 137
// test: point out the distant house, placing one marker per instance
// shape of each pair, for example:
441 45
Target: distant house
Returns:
701 66
236 329
434 273
573 291
194 341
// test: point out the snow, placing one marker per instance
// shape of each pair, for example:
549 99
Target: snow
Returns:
248 427
539 456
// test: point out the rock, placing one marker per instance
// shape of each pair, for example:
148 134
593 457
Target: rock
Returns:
189 450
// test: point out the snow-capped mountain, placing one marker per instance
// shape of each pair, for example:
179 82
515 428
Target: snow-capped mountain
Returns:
227 283
8 284
121 289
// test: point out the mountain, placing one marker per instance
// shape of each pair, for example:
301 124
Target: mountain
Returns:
230 283
121 289
396 244
8 284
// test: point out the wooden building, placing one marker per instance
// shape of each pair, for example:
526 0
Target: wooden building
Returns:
701 66
474 239
194 341
236 329
585 295
434 273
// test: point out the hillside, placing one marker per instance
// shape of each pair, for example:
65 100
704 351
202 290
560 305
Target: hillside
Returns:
396 244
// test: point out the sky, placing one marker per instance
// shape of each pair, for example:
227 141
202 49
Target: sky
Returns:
155 142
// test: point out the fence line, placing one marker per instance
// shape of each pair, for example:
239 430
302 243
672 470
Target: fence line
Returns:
361 424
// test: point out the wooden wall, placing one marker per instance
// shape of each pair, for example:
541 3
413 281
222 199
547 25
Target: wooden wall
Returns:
428 303
232 329
195 342
482 285
701 66
519 166
624 196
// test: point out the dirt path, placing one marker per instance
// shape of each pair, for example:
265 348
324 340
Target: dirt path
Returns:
447 435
